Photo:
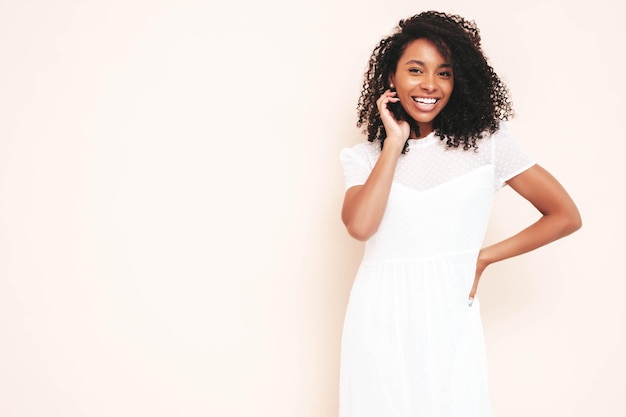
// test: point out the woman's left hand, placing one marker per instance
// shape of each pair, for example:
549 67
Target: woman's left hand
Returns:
480 267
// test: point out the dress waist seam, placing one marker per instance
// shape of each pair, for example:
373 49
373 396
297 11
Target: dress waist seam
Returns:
465 253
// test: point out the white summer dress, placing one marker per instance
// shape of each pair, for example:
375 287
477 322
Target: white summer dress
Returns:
411 345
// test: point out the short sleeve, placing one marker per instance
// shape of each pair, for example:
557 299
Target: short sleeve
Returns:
509 157
356 165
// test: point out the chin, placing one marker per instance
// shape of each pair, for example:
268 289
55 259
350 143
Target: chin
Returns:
422 119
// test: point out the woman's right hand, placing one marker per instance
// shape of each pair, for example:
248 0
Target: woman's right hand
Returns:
398 131
364 205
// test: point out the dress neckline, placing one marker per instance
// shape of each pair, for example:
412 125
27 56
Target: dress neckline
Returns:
425 141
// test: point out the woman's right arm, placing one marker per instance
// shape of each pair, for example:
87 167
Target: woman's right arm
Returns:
364 205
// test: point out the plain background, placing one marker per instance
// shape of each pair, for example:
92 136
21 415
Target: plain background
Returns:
170 189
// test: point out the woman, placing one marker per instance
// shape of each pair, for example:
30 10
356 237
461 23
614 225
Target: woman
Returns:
420 192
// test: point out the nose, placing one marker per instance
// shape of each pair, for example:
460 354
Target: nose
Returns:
428 83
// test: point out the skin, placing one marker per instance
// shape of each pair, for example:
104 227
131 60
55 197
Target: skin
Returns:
423 72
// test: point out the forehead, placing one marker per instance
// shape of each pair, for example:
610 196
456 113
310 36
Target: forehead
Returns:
422 50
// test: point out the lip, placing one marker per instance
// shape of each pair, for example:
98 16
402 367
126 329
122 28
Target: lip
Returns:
425 107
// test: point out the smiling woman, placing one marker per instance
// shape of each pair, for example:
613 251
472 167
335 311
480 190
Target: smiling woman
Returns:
479 99
423 82
412 339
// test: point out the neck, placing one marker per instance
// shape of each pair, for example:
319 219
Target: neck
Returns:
425 130
421 136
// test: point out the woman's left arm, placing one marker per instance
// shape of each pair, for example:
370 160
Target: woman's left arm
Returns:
560 217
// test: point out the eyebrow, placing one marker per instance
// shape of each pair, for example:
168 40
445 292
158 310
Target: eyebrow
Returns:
415 61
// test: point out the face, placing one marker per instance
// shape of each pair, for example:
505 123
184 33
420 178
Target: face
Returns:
424 82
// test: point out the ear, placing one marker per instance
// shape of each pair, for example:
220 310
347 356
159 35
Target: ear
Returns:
391 82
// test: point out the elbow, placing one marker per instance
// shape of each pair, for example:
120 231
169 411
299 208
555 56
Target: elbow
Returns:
359 231
571 223
361 221
575 222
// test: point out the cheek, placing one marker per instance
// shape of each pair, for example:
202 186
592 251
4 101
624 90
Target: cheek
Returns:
450 87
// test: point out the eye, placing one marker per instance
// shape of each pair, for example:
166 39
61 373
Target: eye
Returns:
415 70
445 74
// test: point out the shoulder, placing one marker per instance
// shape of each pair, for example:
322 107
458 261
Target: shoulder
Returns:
499 135
509 157
364 147
363 151
501 141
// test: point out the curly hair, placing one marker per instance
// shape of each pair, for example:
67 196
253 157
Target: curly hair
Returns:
479 100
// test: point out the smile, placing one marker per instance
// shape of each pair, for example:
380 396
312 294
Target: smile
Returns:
425 100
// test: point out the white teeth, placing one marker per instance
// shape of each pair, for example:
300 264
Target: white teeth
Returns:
425 100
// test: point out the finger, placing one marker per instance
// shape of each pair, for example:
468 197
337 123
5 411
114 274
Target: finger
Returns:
386 95
385 100
471 296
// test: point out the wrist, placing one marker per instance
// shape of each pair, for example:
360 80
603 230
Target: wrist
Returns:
396 142
484 260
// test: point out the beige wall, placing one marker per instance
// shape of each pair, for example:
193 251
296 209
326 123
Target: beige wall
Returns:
170 242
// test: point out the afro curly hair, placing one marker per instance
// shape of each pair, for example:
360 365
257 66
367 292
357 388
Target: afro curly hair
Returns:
479 100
